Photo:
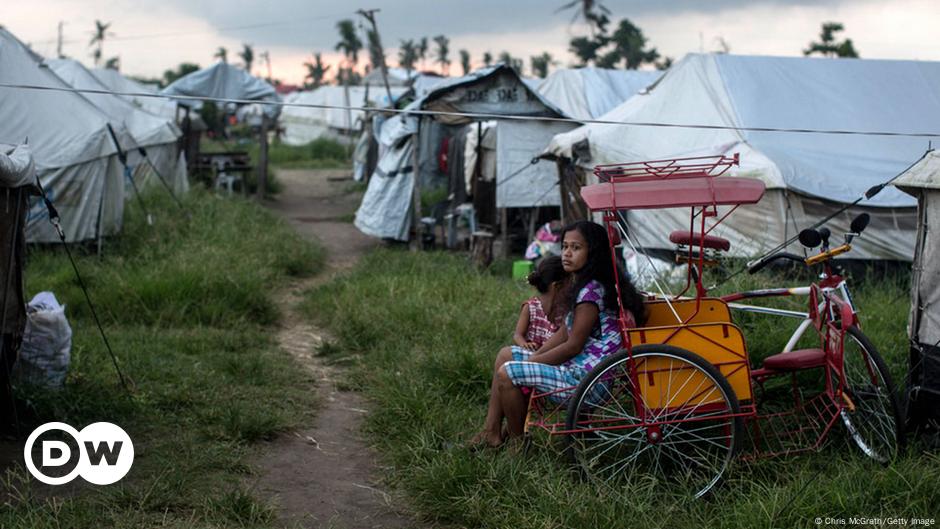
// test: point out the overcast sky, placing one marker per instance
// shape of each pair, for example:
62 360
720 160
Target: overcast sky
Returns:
151 36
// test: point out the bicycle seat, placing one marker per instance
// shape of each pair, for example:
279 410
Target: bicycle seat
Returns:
796 360
692 239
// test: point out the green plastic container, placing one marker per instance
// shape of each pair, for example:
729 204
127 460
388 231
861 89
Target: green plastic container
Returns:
521 269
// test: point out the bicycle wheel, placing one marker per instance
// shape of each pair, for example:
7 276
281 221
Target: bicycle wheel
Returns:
876 423
689 434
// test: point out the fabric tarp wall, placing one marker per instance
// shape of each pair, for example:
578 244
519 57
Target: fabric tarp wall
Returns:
519 183
305 124
736 92
225 81
75 157
923 182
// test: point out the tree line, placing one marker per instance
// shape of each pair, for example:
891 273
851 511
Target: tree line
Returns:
606 45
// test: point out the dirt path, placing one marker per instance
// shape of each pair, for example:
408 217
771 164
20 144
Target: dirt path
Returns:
324 475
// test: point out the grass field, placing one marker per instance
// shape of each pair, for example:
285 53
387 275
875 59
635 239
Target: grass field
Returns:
425 329
188 307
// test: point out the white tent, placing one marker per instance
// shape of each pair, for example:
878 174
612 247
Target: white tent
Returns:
303 124
156 135
116 82
396 77
922 181
75 157
225 81
386 206
586 93
808 175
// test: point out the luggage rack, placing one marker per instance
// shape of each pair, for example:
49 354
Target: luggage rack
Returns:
694 167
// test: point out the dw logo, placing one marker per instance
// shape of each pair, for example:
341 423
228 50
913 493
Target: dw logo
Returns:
102 453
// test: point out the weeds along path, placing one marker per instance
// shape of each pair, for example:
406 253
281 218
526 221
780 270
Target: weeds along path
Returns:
324 475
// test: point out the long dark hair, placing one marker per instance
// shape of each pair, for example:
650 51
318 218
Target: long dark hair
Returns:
599 267
548 271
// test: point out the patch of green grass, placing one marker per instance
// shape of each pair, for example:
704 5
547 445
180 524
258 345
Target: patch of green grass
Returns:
426 328
189 311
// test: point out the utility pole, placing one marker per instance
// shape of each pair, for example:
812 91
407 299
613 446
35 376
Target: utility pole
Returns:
369 14
58 48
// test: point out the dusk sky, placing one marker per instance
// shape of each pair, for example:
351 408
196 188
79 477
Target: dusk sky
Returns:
152 36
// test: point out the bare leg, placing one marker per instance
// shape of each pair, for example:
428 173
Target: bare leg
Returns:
492 427
512 403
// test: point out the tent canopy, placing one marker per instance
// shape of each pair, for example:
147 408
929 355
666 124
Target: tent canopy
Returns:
224 81
586 93
780 92
147 129
305 124
63 128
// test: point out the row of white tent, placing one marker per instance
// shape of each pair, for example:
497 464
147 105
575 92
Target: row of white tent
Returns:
872 119
75 138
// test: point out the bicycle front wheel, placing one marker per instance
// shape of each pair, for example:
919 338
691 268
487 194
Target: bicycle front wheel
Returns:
674 421
873 416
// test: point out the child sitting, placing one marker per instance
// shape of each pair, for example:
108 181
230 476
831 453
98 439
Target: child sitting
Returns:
540 316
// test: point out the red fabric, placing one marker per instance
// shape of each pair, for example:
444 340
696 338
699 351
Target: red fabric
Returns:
540 328
442 155
693 239
794 360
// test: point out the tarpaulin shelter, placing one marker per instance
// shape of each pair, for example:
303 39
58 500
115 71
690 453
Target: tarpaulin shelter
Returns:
922 181
74 154
303 124
429 149
157 135
224 81
117 82
587 93
808 175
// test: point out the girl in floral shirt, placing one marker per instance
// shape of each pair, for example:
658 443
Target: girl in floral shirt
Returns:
590 333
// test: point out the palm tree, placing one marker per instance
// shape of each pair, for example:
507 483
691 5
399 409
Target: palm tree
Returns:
512 62
422 50
316 72
828 47
465 61
540 64
101 32
375 55
629 47
349 42
248 55
585 49
487 58
408 55
221 54
592 11
443 49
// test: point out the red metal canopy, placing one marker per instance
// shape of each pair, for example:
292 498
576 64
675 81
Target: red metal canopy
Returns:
672 193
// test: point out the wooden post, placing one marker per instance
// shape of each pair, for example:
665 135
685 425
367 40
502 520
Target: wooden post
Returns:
504 231
416 191
263 158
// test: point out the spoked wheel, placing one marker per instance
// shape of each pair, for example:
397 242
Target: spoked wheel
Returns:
873 416
674 424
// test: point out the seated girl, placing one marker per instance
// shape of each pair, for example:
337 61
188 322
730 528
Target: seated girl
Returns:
590 333
540 317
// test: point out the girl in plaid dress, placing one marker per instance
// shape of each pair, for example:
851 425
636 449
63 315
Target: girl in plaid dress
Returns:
539 318
590 333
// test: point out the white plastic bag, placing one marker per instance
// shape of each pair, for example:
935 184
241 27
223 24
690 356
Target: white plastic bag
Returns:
47 343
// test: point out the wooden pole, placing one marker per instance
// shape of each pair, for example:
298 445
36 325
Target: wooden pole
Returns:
416 190
370 16
263 158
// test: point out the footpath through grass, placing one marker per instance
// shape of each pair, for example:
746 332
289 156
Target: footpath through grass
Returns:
188 308
426 328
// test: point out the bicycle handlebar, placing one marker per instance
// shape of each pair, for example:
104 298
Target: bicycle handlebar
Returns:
761 263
